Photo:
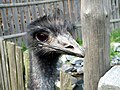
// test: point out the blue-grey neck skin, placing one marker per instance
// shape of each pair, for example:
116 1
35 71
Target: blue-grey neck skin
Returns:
43 71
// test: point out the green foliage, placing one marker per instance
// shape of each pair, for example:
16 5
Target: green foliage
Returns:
79 41
24 47
113 53
115 36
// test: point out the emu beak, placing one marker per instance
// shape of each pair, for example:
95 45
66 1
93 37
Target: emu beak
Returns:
67 45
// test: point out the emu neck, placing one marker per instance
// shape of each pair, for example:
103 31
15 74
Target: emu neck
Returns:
43 71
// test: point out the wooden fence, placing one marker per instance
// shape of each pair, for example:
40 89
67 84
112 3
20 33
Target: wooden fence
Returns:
114 13
15 15
15 67
13 64
11 67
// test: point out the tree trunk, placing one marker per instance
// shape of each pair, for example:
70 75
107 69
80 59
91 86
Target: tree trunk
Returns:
95 31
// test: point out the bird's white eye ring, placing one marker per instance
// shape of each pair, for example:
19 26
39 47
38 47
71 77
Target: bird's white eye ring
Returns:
41 37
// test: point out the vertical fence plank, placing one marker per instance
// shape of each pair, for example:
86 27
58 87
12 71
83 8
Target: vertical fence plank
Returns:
4 19
1 78
117 13
27 14
16 18
65 9
33 11
10 19
45 9
22 19
76 6
4 68
78 23
40 10
65 81
16 21
7 65
111 14
19 63
69 9
51 8
61 5
12 65
73 11
27 68
113 7
1 33
2 86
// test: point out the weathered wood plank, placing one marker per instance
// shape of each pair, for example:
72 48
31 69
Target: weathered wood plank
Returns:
69 9
27 68
73 11
33 11
7 65
111 12
15 16
10 19
45 9
1 78
77 8
4 19
22 19
40 10
12 65
117 12
65 81
19 63
61 5
95 32
2 86
65 9
1 32
114 11
4 69
16 22
27 13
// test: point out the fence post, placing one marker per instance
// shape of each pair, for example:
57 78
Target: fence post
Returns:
95 32
65 81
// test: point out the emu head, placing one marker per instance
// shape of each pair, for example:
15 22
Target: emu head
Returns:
50 34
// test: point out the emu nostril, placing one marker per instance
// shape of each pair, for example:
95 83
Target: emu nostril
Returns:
70 46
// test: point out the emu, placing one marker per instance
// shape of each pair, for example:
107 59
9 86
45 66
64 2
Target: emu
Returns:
48 38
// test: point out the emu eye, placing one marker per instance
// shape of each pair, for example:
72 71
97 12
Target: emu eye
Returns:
41 37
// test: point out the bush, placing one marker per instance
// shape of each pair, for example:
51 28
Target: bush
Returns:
115 36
